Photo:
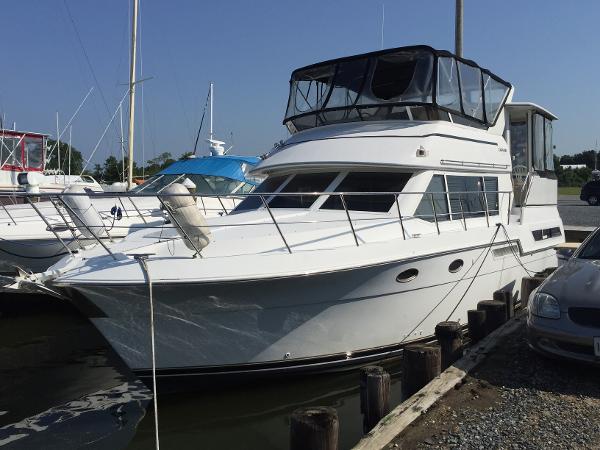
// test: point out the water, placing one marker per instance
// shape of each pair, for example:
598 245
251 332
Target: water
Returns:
62 387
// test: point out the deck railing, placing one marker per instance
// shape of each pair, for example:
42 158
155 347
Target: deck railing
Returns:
437 217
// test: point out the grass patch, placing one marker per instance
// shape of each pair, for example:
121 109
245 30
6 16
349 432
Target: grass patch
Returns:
569 190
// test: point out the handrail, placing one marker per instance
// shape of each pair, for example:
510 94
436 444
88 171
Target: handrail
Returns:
435 216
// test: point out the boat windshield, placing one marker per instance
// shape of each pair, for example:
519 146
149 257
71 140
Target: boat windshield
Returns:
410 83
205 184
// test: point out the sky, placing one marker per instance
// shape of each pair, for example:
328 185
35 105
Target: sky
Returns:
56 50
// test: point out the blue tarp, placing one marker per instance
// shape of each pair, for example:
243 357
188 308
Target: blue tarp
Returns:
228 166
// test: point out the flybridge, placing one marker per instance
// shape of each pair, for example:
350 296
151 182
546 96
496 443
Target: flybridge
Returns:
406 83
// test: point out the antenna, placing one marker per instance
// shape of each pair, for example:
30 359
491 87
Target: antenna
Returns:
211 111
57 142
382 22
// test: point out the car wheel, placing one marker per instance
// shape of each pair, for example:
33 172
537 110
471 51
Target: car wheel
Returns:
592 200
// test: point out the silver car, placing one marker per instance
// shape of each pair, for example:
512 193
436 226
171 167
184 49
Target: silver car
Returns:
564 312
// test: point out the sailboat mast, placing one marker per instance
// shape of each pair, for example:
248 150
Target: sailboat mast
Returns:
211 111
132 94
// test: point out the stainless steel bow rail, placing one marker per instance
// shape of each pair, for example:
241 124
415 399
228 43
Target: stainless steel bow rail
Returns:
265 199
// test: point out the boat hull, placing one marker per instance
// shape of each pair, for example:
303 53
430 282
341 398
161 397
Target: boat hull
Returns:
319 320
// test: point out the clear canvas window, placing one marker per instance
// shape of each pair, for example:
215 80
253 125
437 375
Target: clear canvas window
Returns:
368 182
11 151
495 94
470 85
448 93
34 152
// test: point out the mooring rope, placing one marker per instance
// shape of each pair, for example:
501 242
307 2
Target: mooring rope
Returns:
142 260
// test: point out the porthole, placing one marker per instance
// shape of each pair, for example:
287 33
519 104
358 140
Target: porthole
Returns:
407 275
455 265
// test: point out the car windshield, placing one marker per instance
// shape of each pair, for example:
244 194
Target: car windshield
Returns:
591 250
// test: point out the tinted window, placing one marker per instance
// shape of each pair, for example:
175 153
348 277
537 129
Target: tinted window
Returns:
491 195
271 184
591 249
465 196
368 182
438 199
539 156
308 182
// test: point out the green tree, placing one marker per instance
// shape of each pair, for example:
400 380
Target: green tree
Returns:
76 158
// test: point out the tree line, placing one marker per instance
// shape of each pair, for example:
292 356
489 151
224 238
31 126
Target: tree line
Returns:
575 177
112 170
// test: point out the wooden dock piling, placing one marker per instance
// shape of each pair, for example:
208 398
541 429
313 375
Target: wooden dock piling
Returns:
315 428
374 395
495 314
506 296
528 284
476 324
449 335
421 364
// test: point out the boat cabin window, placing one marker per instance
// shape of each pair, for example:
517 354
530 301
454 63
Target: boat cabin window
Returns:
305 182
543 155
392 182
395 84
518 147
269 185
435 197
465 196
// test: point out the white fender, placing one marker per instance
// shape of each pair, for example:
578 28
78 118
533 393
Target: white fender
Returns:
186 216
83 212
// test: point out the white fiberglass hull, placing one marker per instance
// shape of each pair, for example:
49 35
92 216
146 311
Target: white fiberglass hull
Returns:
298 321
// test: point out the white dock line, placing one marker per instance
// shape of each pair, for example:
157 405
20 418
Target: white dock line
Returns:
142 260
408 411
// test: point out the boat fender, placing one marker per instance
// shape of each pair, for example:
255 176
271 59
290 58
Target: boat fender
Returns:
186 217
83 213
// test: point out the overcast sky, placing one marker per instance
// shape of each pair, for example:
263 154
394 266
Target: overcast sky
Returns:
547 49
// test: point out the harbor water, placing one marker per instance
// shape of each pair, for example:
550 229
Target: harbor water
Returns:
62 387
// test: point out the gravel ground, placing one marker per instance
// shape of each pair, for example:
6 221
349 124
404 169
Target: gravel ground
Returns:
576 212
515 400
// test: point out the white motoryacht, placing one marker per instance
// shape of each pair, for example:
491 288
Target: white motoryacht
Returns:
35 236
409 190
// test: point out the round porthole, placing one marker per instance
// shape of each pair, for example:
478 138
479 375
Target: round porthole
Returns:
455 265
407 275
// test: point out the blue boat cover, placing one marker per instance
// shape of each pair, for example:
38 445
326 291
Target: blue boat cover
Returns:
227 166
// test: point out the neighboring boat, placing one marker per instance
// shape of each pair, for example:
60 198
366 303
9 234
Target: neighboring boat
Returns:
33 243
23 166
409 191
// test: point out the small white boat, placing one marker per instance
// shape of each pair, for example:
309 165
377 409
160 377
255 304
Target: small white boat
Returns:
33 237
410 189
23 167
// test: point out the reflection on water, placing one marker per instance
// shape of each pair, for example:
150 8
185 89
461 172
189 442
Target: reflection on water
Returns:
62 387
253 416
